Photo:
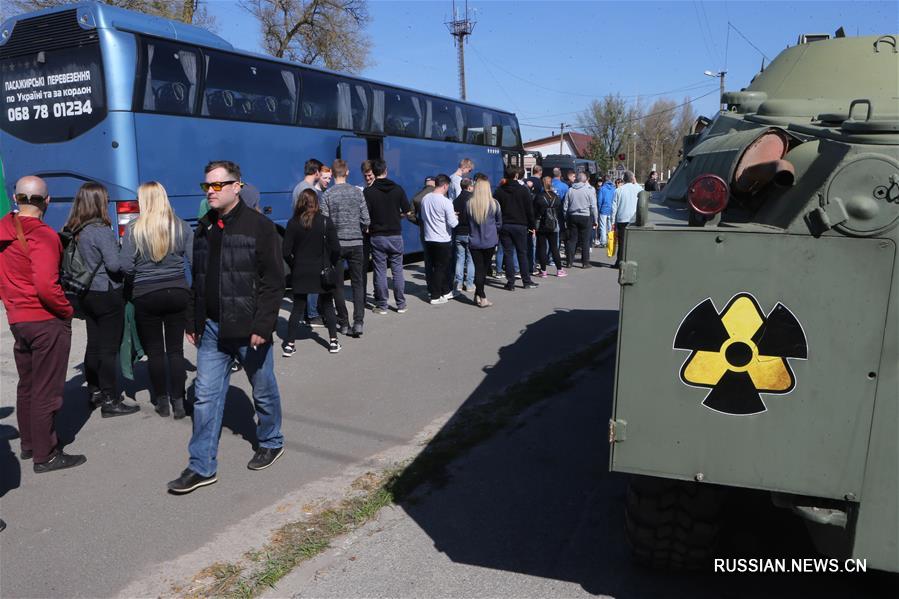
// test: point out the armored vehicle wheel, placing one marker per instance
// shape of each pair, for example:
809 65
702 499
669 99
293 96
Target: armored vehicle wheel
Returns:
672 524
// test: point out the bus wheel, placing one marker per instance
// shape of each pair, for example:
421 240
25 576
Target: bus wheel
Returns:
672 524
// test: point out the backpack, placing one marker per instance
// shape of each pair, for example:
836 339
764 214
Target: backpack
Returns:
74 275
549 221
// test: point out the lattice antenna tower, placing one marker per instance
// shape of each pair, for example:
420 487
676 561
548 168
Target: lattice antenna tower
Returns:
460 27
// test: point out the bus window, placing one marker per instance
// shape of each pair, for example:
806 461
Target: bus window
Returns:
509 134
238 87
397 113
476 122
320 101
355 106
444 121
170 78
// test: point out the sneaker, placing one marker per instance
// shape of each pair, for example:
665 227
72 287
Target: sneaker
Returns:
542 274
561 273
288 349
531 285
343 329
440 300
236 366
449 296
59 461
485 303
265 457
162 406
357 329
381 311
509 286
518 275
334 346
402 310
26 454
316 322
190 481
464 287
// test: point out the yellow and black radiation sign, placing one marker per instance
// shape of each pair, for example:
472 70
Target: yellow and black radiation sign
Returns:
740 353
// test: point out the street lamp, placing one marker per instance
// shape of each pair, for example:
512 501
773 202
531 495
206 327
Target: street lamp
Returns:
720 75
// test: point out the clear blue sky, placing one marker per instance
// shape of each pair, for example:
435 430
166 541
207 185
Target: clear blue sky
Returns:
546 60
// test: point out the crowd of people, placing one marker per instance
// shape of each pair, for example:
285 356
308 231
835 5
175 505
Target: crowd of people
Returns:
221 284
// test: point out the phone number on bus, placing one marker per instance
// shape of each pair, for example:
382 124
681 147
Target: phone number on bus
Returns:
43 111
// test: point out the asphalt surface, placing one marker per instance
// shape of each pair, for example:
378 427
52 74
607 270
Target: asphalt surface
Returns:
533 512
95 530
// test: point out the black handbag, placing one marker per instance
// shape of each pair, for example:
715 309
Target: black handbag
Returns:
328 275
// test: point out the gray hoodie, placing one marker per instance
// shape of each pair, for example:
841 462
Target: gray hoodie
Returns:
580 201
169 272
99 248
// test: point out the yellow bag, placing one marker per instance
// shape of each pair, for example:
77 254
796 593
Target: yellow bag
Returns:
610 244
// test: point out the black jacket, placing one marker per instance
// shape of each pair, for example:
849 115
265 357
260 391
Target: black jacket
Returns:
249 272
307 251
386 203
517 204
460 205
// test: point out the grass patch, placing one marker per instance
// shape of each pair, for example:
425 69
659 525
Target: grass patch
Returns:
299 541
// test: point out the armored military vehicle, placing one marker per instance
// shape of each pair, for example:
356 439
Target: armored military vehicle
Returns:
759 348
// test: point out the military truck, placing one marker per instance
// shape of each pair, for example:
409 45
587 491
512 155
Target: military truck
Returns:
758 348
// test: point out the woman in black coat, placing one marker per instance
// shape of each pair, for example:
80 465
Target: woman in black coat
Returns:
310 244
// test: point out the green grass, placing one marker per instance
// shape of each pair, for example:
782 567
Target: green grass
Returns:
299 541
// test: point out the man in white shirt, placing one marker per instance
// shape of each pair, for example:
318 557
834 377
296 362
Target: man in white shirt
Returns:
438 218
624 210
465 167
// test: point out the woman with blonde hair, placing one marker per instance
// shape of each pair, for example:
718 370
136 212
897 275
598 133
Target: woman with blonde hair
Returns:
102 304
485 219
153 255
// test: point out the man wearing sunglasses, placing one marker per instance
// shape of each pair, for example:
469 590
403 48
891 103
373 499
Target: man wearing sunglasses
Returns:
238 283
40 318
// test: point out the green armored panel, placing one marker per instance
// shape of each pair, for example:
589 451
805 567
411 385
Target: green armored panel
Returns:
734 370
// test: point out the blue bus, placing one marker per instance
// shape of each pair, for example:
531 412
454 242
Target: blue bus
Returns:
92 92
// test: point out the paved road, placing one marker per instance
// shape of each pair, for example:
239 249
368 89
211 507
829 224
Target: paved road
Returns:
534 512
90 531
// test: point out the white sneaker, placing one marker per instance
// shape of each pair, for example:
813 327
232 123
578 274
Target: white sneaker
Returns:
439 300
449 295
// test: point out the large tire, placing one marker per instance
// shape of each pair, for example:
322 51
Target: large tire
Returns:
672 524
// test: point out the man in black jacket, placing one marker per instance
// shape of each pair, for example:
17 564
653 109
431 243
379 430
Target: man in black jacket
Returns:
518 222
387 206
238 283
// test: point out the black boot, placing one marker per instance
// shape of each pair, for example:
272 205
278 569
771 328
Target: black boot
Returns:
114 405
178 408
162 406
96 399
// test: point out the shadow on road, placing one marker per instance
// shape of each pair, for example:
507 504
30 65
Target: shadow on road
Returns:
538 499
10 469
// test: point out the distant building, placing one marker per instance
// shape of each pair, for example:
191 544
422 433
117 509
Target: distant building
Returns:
572 143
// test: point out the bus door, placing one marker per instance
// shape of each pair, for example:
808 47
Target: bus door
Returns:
353 150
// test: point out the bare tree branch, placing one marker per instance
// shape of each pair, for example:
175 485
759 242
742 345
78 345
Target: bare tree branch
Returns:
329 33
187 11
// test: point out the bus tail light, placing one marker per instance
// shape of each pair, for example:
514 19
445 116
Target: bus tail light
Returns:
126 212
708 194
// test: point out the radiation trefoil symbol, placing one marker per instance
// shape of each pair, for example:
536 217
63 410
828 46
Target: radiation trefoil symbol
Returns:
740 353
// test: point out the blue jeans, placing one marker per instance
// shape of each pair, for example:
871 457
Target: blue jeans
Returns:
464 262
312 306
388 249
605 225
214 356
500 265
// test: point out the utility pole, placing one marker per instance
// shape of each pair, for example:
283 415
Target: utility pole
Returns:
562 138
460 28
720 75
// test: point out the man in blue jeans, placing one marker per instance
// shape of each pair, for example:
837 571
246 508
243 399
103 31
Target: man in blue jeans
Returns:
238 283
387 206
464 272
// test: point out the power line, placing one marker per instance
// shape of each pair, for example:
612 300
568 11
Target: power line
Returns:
734 27
702 32
708 27
703 86
634 120
495 80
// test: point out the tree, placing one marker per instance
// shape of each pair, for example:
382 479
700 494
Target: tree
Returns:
187 11
609 121
323 32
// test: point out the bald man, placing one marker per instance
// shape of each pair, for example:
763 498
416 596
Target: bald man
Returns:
40 318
